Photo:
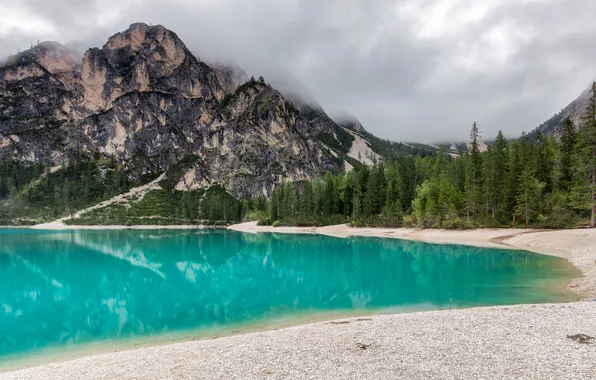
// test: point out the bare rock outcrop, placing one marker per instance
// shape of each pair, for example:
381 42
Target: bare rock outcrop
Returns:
145 100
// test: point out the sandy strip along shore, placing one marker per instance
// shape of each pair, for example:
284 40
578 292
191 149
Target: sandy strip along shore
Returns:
551 341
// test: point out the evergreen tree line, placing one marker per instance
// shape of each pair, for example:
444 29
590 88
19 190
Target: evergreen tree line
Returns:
369 195
531 181
35 192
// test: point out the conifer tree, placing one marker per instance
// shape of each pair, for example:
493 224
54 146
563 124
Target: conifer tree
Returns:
345 191
475 153
374 188
500 160
275 204
473 173
585 187
566 155
519 159
307 207
329 200
528 197
392 193
409 178
288 200
317 199
544 161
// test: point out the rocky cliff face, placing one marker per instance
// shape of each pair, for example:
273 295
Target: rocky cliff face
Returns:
145 100
573 111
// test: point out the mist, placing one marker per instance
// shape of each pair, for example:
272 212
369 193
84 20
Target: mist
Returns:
408 70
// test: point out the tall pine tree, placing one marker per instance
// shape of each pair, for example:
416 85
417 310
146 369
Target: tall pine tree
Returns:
473 174
585 188
566 154
528 196
501 161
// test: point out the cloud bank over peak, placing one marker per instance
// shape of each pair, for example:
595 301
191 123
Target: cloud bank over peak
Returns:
415 70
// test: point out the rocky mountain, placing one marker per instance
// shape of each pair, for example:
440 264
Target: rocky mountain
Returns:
367 145
551 127
573 111
144 101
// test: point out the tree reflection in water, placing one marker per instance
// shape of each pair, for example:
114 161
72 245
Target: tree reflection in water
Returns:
67 287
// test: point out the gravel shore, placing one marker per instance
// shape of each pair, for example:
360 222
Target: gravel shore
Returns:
514 342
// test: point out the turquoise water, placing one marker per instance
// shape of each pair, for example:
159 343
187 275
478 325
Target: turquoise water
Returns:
62 289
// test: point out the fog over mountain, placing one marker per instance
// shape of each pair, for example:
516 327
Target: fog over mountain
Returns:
407 69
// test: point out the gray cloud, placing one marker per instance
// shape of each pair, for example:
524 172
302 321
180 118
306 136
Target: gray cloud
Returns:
408 69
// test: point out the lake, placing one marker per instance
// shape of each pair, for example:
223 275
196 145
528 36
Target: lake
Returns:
63 290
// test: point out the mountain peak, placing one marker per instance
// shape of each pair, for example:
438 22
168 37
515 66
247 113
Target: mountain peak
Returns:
146 102
573 111
144 58
141 36
55 57
52 55
349 121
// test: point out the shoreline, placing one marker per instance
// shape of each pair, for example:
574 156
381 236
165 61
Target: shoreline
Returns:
484 238
54 355
480 237
58 226
577 246
502 342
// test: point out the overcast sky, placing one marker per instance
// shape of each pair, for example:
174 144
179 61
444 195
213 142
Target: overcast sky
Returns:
411 70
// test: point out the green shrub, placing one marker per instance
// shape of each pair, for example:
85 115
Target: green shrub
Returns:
559 214
453 224
409 221
265 222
